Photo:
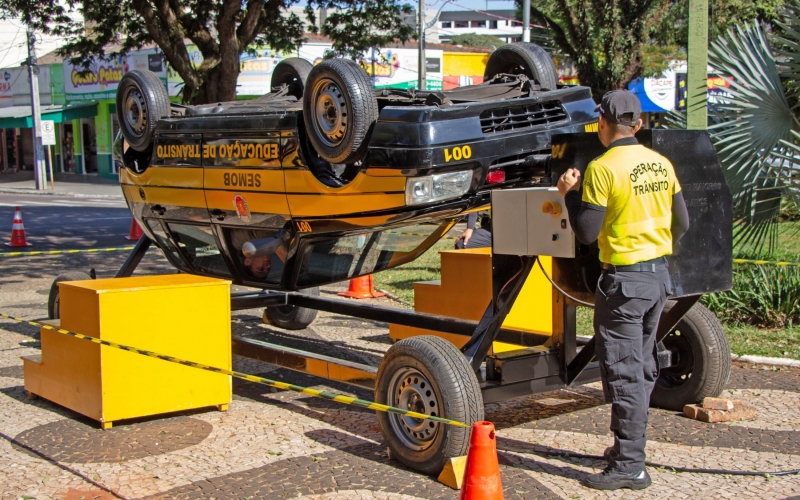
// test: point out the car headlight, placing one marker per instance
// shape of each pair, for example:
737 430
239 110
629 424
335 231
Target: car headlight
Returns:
430 188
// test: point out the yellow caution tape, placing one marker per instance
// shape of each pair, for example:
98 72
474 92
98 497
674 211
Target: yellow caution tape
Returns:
56 252
370 405
765 262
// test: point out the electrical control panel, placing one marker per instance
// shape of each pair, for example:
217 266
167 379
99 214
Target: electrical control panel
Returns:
531 221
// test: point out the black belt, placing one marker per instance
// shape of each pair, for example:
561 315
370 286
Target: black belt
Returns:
648 266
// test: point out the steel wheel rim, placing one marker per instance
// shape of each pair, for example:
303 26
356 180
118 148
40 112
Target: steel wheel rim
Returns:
330 112
135 112
409 389
680 374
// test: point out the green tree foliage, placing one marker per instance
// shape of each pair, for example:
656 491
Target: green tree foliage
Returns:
221 29
476 40
723 14
611 43
356 26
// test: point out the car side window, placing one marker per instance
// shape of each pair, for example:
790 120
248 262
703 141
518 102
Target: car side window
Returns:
199 245
258 254
338 258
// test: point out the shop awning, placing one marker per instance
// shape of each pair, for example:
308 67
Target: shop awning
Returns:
20 116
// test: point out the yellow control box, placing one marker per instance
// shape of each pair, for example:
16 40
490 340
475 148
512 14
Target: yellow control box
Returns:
178 315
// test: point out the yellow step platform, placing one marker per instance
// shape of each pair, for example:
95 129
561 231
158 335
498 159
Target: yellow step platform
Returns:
465 291
178 315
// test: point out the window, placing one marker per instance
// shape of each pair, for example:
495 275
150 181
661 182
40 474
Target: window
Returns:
516 24
478 24
199 246
462 24
492 25
348 256
265 250
447 24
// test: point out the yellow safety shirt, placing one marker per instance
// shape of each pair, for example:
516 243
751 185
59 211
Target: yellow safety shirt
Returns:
635 185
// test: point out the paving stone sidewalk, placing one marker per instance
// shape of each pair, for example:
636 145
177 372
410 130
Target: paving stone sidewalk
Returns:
277 444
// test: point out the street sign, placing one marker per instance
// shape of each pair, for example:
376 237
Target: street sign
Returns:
48 133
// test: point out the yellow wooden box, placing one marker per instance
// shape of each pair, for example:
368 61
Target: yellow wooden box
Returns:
178 315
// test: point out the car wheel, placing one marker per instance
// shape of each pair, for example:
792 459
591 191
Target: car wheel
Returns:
141 101
523 58
339 108
293 72
53 300
291 317
701 361
428 375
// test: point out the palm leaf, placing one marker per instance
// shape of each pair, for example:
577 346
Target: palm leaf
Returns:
753 132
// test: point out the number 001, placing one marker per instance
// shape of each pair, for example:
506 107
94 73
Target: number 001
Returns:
459 153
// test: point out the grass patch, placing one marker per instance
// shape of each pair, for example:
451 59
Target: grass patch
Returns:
774 343
400 280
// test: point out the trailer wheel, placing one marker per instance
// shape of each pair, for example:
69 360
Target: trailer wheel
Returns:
339 107
701 358
291 317
53 300
428 375
293 72
523 58
141 101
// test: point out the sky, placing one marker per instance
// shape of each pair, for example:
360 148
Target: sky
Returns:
470 4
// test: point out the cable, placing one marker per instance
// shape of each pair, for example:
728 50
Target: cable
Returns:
565 294
570 454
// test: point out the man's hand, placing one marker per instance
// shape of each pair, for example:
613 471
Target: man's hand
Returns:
466 235
569 181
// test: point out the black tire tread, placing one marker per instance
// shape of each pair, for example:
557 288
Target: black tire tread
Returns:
296 65
364 109
157 100
298 319
51 298
542 66
716 368
463 396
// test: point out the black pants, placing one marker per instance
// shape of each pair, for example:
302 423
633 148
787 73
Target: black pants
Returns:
480 238
627 309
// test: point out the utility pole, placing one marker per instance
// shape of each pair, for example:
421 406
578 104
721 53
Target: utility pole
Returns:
38 151
422 84
526 20
697 67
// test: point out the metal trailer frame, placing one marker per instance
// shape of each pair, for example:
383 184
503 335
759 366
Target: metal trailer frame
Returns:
545 363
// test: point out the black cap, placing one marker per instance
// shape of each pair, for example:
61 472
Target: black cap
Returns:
617 103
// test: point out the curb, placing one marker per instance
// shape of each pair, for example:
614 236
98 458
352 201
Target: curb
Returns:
763 360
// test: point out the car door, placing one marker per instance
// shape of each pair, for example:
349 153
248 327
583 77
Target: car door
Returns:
246 202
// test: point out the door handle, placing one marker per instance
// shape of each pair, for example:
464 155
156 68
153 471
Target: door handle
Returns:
218 214
158 209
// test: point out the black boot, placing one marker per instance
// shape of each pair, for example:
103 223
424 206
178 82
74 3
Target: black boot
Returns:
613 479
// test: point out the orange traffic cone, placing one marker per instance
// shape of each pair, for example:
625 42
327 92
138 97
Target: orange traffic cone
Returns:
135 232
18 231
482 475
362 288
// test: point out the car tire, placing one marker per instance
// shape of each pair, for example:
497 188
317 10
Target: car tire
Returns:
141 101
291 317
429 372
523 58
339 110
293 72
53 299
703 363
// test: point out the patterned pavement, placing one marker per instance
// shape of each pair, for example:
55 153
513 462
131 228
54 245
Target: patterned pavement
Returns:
275 444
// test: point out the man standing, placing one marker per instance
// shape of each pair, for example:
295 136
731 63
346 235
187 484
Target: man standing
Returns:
633 207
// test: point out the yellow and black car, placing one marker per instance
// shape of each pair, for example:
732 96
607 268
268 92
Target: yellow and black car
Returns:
325 178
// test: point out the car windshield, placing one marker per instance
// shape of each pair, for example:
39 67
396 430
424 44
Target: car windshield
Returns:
348 256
